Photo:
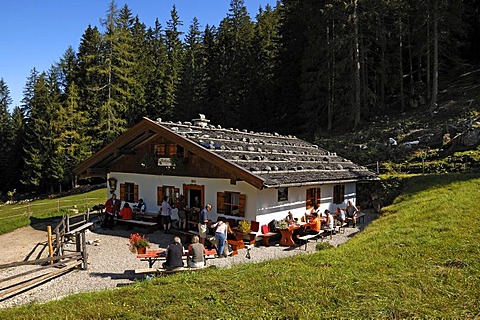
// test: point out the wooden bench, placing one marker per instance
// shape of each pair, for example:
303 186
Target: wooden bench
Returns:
151 226
79 229
361 215
266 237
154 271
308 237
341 228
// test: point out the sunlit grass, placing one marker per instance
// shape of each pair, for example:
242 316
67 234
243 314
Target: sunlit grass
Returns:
419 260
19 215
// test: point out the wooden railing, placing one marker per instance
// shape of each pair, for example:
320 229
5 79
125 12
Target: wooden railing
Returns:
58 262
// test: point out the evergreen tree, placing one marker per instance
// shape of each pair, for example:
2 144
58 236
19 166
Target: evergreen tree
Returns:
174 48
156 62
234 65
192 88
6 137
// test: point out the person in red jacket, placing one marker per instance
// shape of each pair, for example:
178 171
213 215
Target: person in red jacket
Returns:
126 213
112 207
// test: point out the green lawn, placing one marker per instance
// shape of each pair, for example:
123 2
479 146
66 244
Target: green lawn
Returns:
23 214
419 260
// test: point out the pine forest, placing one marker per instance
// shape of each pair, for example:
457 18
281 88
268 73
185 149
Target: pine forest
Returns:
301 67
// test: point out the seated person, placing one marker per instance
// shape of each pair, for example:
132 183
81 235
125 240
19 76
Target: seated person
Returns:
174 255
290 219
351 212
330 224
196 254
126 213
141 207
314 225
339 214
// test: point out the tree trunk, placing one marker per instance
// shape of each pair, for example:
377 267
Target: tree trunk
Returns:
400 61
357 66
433 103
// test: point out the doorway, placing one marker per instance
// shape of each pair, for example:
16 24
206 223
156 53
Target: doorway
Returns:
194 195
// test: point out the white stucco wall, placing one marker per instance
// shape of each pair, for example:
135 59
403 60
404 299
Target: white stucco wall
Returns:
261 205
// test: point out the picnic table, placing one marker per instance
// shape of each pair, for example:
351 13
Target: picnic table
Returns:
152 256
287 234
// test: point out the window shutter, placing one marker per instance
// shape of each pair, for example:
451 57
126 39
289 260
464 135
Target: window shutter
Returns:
135 193
159 195
319 196
241 205
122 191
220 202
172 150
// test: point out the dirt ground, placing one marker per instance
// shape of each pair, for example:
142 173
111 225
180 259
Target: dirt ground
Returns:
23 244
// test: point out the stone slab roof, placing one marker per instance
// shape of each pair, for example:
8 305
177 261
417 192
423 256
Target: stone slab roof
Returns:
279 160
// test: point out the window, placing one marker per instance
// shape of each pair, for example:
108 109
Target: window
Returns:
313 197
338 193
282 194
231 203
166 150
129 192
172 193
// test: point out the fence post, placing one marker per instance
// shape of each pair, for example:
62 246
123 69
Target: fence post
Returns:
378 168
49 239
84 251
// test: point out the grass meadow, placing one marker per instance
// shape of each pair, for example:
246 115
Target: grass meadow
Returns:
419 259
19 215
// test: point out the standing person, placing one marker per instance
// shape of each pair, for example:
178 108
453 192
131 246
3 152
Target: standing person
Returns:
351 211
174 255
165 215
112 208
182 214
126 213
220 236
202 223
196 254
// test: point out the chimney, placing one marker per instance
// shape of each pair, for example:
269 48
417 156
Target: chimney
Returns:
201 121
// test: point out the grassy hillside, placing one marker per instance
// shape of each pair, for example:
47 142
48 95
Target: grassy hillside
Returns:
441 133
22 214
419 260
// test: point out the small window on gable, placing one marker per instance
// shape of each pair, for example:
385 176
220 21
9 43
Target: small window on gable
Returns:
313 197
338 193
282 194
129 192
231 203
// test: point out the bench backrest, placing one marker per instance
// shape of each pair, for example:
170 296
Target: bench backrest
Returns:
265 229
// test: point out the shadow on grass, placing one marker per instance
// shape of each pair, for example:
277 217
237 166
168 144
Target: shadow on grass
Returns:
417 184
42 223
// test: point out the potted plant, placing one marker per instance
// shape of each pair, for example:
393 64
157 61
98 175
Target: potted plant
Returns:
138 243
243 226
282 224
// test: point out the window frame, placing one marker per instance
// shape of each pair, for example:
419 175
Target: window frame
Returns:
313 197
338 193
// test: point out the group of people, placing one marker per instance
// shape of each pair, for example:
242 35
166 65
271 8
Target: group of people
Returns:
168 212
317 221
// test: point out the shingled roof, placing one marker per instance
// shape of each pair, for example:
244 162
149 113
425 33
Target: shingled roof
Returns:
277 159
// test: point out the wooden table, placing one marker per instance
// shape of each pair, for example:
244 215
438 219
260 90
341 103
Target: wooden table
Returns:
287 234
152 256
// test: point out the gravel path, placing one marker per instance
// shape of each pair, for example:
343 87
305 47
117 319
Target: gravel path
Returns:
111 264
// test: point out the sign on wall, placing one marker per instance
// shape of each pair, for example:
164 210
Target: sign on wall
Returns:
165 162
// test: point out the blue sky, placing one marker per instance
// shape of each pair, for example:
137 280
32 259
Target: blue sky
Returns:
36 33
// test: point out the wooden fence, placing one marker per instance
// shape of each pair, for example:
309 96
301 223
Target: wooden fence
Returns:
60 260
